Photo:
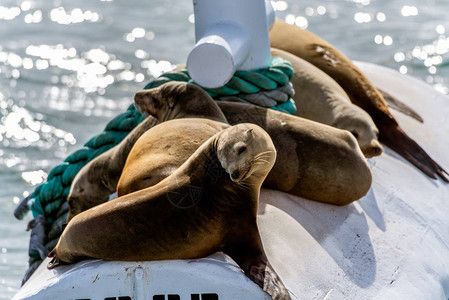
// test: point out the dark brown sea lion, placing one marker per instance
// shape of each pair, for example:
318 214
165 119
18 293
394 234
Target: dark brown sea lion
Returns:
321 99
320 53
222 219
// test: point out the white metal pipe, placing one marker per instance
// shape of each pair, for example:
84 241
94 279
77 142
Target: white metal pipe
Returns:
231 35
271 14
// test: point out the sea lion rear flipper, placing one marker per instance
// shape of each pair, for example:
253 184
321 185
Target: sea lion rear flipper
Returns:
400 106
400 142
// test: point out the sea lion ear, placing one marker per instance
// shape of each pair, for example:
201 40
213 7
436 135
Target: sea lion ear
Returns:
249 133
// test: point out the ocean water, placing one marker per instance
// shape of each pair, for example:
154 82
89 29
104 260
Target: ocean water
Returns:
68 67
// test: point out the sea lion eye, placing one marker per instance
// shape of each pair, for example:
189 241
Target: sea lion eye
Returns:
241 150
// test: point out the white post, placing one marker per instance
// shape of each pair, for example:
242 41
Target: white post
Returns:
231 35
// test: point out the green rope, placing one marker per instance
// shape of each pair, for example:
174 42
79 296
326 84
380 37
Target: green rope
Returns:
276 75
48 197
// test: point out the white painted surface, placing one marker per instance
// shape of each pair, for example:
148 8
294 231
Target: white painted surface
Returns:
98 279
392 244
236 32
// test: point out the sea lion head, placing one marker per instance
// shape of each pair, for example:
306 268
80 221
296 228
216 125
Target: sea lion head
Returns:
364 130
174 100
246 150
90 187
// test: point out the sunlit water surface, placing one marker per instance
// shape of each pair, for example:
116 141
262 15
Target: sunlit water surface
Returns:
68 67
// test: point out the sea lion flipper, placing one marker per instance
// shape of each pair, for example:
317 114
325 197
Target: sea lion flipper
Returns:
265 276
400 106
251 258
55 261
400 142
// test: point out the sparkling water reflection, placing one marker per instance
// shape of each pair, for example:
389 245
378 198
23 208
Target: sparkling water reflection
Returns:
66 68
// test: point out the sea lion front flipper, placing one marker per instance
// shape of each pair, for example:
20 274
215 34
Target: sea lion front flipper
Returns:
400 106
264 275
251 258
55 261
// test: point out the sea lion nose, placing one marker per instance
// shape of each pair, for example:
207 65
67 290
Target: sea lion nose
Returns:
377 151
235 175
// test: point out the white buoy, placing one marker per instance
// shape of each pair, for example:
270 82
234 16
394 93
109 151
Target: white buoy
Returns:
230 35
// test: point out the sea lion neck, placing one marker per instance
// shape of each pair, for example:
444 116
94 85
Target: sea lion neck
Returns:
204 161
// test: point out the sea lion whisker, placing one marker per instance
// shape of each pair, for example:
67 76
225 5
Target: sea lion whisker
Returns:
261 160
263 153
261 157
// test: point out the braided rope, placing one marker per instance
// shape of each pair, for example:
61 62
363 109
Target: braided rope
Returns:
277 74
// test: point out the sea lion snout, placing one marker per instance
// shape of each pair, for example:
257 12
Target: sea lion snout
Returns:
141 100
240 173
373 149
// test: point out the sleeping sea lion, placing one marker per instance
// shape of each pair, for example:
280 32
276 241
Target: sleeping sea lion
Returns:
321 99
137 226
320 53
162 149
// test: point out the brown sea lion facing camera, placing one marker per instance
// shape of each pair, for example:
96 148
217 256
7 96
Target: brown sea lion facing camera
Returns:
320 98
323 55
212 200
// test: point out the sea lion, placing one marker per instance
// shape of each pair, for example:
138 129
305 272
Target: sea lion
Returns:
341 178
222 219
323 55
321 99
162 149
163 102
315 161
99 178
